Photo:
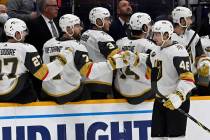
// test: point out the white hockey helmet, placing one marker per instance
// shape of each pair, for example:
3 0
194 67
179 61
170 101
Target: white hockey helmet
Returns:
163 26
14 25
98 13
139 19
68 20
181 12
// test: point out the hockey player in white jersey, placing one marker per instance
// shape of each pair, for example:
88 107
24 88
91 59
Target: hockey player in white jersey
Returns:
100 46
67 86
17 59
203 86
171 77
131 82
190 39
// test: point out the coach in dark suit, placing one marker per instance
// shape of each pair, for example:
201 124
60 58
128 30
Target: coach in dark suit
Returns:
41 29
120 24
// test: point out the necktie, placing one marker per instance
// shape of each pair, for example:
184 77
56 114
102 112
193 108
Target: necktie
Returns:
54 32
125 26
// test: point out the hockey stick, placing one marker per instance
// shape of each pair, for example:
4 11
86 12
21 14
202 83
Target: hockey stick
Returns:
154 85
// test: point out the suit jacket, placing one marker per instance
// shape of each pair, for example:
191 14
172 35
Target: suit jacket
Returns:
117 30
39 33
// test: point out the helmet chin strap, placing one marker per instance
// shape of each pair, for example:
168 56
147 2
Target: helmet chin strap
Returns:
184 26
164 41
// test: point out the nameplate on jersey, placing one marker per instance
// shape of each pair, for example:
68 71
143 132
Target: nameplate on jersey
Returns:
84 37
53 49
7 52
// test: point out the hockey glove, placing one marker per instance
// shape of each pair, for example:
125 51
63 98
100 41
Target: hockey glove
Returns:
119 60
174 101
133 59
65 56
203 67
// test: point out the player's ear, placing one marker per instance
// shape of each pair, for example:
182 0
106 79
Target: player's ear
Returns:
17 35
99 22
145 28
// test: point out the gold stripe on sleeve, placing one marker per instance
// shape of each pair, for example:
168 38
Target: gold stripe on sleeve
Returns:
42 72
85 70
187 76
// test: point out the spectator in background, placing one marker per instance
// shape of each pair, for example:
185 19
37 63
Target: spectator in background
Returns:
42 29
3 19
23 9
120 24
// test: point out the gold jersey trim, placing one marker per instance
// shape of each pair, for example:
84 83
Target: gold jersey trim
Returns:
132 96
85 70
12 87
148 73
98 82
61 94
42 72
187 76
113 52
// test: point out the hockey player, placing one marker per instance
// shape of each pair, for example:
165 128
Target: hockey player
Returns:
17 59
203 77
67 86
171 77
100 46
190 39
131 82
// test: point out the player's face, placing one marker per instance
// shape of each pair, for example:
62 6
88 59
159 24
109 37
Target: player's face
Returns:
189 21
157 37
107 23
77 30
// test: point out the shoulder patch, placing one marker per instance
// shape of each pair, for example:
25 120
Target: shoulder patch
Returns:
84 37
153 54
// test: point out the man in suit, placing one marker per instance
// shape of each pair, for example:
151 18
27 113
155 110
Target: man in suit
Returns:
42 29
120 24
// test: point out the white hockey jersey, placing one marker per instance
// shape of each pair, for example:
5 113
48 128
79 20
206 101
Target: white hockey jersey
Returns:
69 79
205 43
132 81
16 59
171 69
100 46
195 49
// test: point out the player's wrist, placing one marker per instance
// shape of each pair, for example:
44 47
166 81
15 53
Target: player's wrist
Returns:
181 96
